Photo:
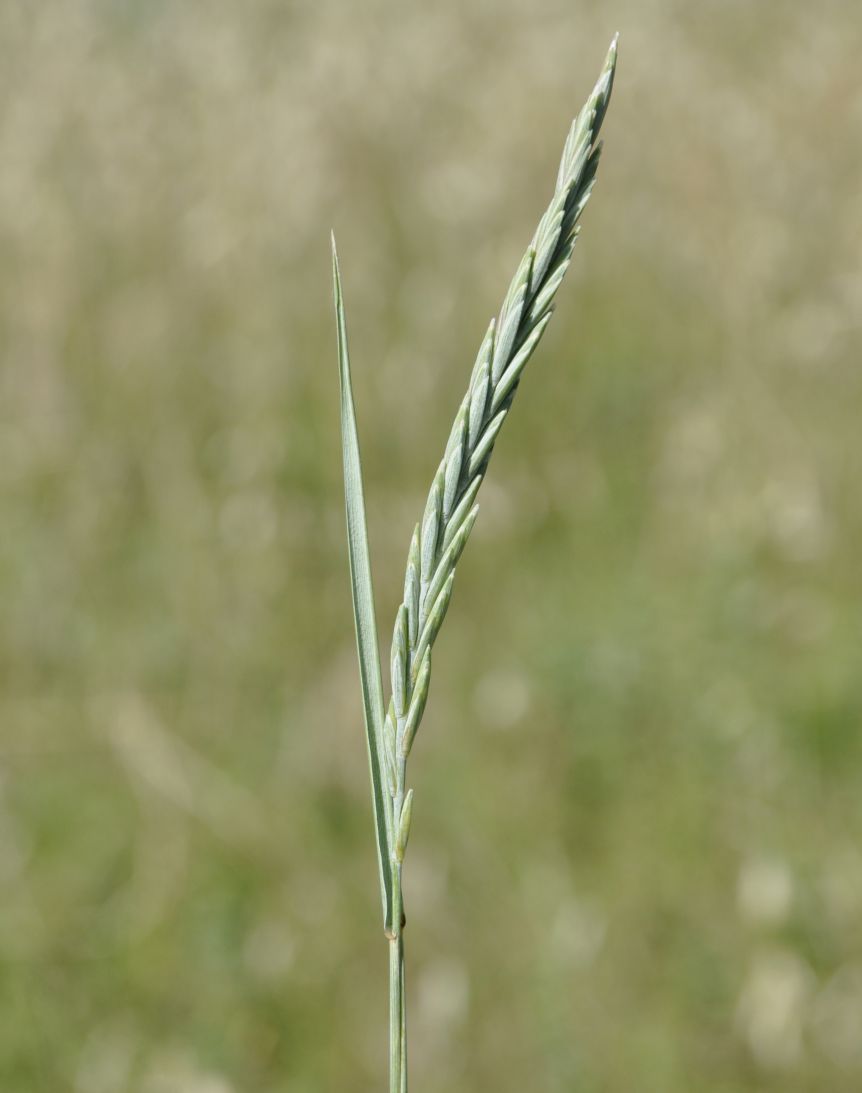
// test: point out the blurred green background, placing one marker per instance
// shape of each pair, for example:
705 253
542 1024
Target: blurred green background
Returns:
636 861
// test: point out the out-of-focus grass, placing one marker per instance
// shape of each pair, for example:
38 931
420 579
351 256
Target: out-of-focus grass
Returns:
657 728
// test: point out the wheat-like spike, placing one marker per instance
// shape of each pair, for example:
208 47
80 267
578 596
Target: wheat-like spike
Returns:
450 511
447 521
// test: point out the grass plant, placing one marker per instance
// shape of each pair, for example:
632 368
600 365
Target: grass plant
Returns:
450 514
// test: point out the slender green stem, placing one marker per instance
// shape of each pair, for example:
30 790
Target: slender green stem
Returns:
397 998
403 1025
396 1001
397 1019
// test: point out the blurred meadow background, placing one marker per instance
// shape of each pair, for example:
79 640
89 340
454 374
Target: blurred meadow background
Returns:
636 862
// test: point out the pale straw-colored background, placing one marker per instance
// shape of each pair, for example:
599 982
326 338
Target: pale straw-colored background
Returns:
636 863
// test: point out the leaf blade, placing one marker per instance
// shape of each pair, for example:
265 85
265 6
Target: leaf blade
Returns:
363 603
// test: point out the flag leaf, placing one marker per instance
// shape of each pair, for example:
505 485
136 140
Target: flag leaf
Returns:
363 604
